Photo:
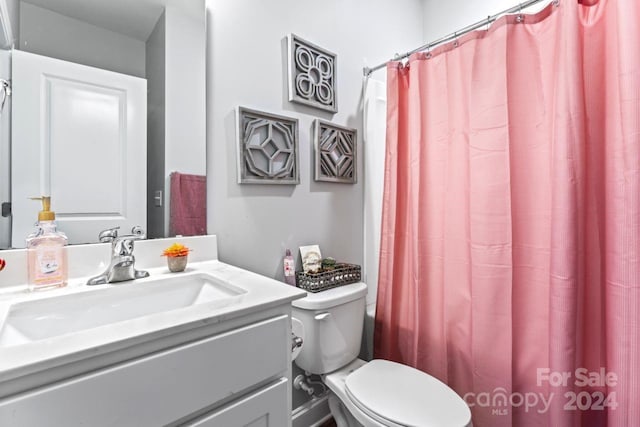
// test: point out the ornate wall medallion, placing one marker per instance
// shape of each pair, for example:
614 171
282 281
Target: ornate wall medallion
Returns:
267 148
335 152
312 75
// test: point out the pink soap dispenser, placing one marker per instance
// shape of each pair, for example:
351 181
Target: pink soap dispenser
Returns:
46 253
289 269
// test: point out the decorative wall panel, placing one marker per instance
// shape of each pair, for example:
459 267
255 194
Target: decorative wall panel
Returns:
335 152
267 148
312 75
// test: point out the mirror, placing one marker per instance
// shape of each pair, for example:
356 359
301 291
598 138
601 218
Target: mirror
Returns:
161 41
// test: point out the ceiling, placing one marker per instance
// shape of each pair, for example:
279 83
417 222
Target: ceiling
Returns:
134 18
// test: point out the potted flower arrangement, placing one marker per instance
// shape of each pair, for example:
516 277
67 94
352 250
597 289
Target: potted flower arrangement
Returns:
177 255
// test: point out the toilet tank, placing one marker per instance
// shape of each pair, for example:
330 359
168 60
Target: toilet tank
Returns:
333 321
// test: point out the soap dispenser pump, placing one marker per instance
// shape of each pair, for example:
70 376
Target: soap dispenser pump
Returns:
46 253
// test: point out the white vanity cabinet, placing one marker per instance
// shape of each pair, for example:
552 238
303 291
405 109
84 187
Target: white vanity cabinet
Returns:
260 409
229 373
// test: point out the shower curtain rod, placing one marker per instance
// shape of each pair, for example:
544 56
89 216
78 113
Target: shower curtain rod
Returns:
490 19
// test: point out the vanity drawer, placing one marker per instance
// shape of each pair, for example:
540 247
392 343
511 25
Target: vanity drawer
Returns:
265 408
161 388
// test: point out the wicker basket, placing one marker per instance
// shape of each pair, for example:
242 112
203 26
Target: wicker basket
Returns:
342 274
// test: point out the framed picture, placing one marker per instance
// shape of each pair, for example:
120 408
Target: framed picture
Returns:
312 75
311 258
335 150
267 148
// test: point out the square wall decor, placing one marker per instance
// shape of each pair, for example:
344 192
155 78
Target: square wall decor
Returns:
267 148
335 152
312 75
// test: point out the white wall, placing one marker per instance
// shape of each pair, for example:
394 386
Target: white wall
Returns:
442 18
247 66
186 101
51 34
156 81
185 94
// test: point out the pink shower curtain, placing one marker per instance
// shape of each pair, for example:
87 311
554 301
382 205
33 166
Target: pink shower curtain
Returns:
510 259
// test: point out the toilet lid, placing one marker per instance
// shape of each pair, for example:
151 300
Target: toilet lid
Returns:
406 396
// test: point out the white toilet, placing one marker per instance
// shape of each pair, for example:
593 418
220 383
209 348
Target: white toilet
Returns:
371 394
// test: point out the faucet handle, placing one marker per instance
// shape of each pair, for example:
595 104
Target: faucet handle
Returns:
138 232
108 235
123 245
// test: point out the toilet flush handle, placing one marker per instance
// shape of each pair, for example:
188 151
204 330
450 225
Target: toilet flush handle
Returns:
323 316
296 341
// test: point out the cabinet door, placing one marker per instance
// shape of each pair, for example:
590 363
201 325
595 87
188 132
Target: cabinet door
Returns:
265 408
161 388
79 136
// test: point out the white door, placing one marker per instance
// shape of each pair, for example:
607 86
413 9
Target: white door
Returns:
79 134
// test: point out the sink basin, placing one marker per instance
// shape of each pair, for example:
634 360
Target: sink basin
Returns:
50 317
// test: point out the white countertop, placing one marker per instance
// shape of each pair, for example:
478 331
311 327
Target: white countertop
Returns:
39 356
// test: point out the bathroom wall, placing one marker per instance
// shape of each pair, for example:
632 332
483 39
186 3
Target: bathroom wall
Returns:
175 52
246 66
156 100
49 33
185 130
444 17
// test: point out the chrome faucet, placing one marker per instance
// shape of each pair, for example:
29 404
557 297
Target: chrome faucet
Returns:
122 265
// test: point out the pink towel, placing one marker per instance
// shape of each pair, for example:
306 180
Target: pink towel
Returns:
188 212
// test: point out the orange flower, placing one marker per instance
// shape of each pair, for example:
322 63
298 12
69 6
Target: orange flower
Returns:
176 250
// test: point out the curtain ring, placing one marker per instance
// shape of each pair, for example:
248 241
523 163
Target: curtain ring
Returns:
488 22
556 3
428 54
520 16
455 42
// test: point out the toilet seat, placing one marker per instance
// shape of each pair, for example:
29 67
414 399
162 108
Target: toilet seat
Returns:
397 395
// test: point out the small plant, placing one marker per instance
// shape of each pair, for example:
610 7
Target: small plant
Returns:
176 250
328 264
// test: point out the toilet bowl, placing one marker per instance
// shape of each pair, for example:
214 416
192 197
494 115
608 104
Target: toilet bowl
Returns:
378 393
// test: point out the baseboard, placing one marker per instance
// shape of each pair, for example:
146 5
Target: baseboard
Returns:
311 414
